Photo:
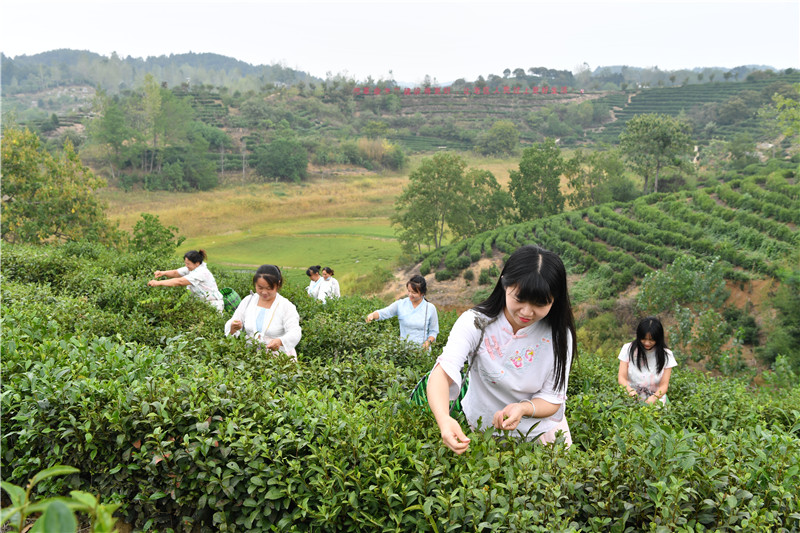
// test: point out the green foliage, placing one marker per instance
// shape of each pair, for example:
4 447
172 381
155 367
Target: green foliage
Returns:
282 159
192 430
655 142
48 197
57 513
150 235
783 336
501 139
685 281
535 187
432 202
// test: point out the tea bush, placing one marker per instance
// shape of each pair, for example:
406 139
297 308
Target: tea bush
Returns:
190 430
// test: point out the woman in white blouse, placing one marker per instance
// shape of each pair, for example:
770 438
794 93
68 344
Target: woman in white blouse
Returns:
266 316
194 275
519 344
330 287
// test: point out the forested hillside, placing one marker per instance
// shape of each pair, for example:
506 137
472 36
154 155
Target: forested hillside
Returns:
164 128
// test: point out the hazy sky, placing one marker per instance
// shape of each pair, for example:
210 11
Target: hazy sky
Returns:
445 39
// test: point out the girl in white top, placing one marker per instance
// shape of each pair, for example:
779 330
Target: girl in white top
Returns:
330 288
316 283
195 275
519 373
266 316
647 376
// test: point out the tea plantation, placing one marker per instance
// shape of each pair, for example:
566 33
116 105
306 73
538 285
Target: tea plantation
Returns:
749 224
192 431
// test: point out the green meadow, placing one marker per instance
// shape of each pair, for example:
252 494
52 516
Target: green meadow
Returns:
352 247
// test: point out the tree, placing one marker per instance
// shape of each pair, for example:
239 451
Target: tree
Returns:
150 235
788 112
486 204
282 158
742 151
110 131
432 201
151 101
502 138
653 142
596 179
535 187
47 197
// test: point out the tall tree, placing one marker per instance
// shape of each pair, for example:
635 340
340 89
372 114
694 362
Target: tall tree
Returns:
788 111
535 187
485 204
111 132
47 197
596 179
432 201
653 142
152 111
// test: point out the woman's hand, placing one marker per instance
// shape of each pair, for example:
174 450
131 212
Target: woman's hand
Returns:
153 283
453 437
236 325
274 345
370 318
508 417
158 274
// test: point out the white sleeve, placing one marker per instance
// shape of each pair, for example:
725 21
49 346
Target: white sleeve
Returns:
671 361
624 353
291 324
241 309
182 270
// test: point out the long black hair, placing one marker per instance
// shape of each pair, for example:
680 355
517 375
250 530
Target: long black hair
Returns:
540 278
649 326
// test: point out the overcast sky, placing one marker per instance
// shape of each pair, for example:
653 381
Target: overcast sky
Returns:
446 39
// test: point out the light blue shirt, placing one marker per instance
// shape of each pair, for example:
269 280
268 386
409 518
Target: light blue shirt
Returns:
416 325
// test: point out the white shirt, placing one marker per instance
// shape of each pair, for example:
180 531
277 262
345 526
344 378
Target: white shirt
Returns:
646 379
329 289
507 368
314 288
281 321
203 284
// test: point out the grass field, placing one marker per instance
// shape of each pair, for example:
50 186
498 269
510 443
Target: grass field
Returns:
341 220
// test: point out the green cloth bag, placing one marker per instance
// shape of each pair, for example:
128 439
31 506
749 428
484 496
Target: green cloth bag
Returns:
231 299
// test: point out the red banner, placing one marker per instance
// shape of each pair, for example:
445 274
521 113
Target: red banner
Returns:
485 91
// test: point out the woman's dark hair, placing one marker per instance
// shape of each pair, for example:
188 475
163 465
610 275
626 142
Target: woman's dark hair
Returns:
329 270
418 284
312 270
649 326
540 278
195 256
269 273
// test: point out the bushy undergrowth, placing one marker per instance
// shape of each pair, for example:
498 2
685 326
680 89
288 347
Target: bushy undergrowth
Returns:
139 390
